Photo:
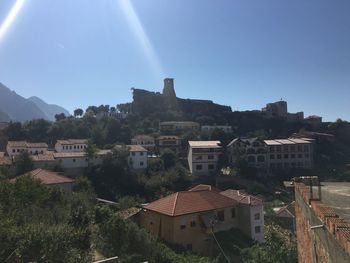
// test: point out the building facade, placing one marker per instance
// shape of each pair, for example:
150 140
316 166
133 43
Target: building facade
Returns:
71 145
210 128
13 148
146 141
178 126
171 142
273 154
203 157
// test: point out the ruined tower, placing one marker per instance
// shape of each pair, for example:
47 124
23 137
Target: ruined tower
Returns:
169 93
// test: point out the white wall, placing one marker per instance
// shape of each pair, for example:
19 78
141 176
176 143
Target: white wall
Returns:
80 147
137 159
254 223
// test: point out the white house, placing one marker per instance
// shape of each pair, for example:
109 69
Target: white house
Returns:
137 156
250 213
71 145
15 147
203 157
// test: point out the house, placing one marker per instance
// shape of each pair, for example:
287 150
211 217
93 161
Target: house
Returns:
253 150
13 148
289 153
286 216
137 156
250 212
272 154
51 179
178 126
44 160
71 145
210 128
146 141
203 157
190 218
171 142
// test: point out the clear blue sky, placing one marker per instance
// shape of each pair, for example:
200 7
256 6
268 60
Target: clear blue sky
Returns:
242 53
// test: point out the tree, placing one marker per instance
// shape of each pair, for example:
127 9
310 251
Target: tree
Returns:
23 163
169 158
60 116
78 112
91 151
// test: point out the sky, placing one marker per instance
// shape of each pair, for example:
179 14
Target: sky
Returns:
241 53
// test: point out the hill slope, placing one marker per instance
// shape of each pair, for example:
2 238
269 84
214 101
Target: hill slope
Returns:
18 108
49 109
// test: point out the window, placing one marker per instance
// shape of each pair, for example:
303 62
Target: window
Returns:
257 229
251 159
278 148
141 153
73 160
272 149
221 216
261 159
13 150
272 156
292 156
211 166
199 157
210 157
18 150
70 147
75 147
257 216
193 223
199 167
300 155
141 163
279 156
286 156
306 148
299 148
133 153
233 213
292 148
307 155
285 148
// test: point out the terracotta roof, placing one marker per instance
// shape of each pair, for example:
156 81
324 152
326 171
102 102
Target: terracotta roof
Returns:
72 141
287 211
241 197
136 148
204 187
36 145
143 137
128 213
17 143
189 202
204 144
47 177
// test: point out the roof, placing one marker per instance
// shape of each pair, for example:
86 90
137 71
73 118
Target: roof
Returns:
287 141
179 123
43 157
204 144
287 211
189 202
25 144
143 137
5 160
72 141
202 187
47 177
136 148
69 154
242 198
128 213
244 140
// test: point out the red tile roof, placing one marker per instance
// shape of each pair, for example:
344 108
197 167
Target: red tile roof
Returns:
241 197
287 211
189 202
47 177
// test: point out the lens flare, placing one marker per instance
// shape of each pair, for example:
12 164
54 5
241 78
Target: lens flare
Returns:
139 32
10 18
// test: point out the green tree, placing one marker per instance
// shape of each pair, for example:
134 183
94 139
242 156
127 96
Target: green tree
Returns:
60 116
91 151
78 112
169 158
23 163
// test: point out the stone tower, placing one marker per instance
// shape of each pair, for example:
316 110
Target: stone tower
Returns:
169 93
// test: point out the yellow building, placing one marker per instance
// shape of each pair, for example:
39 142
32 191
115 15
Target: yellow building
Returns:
189 218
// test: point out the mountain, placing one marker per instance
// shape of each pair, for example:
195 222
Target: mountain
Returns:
50 109
18 108
4 117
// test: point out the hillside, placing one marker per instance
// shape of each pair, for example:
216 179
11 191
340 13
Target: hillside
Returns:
50 109
18 108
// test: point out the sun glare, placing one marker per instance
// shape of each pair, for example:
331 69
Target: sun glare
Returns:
5 25
139 32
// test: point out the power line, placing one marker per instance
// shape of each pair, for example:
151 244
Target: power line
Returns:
222 251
